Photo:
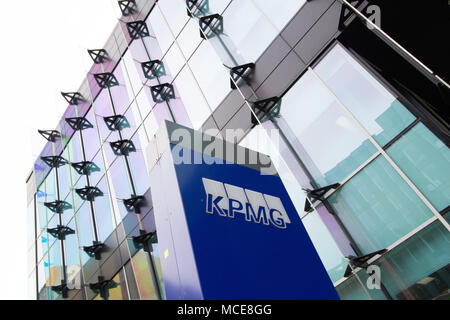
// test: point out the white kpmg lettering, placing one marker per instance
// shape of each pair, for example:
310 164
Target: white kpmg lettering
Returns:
256 207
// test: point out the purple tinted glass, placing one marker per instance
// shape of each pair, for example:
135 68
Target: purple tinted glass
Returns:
336 231
119 94
103 214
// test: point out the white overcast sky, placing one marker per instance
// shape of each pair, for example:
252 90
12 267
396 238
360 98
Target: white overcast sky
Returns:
43 52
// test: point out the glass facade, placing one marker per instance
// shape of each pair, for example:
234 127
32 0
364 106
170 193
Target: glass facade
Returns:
339 127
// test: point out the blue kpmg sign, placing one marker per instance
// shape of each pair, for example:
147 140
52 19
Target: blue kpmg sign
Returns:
226 231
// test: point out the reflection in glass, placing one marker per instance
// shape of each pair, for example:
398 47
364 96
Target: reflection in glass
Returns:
370 102
193 100
210 74
329 143
175 13
426 161
419 268
378 207
160 28
142 272
333 260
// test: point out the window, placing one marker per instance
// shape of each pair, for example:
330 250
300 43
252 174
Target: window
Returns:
378 207
210 74
329 143
196 106
143 274
370 102
426 161
422 264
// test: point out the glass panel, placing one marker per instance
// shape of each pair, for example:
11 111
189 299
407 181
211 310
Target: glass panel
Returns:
90 136
333 260
173 61
377 206
175 13
351 289
372 104
117 293
279 13
72 252
196 106
103 215
142 272
258 140
247 32
160 28
327 141
210 74
426 161
419 268
84 229
56 270
157 263
189 38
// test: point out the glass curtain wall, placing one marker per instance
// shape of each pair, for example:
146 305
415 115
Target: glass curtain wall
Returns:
345 127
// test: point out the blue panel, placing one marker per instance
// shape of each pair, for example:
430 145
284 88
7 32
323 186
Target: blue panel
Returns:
239 259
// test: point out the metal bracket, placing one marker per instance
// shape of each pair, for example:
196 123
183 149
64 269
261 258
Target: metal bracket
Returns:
102 286
62 289
117 122
137 29
141 241
197 8
89 193
215 24
54 161
73 98
79 123
127 7
98 55
361 261
50 135
58 206
153 68
241 72
162 92
123 147
60 232
95 250
317 194
133 203
85 167
106 80
266 108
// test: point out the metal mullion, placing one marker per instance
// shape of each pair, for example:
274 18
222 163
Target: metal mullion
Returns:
384 153
129 174
91 205
63 256
60 222
401 134
138 214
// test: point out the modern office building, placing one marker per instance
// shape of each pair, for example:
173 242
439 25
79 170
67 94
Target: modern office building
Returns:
349 99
